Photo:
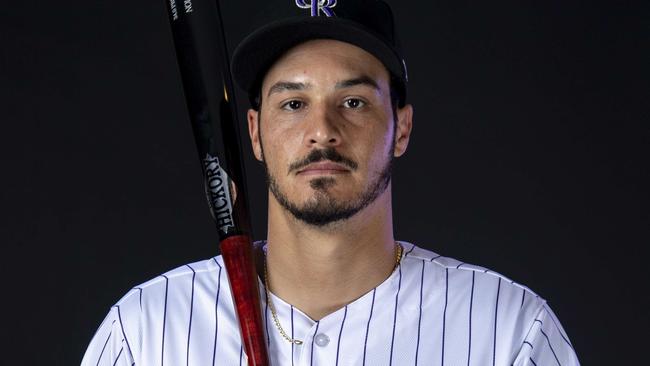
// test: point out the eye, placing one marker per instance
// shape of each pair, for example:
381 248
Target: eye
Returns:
292 105
353 103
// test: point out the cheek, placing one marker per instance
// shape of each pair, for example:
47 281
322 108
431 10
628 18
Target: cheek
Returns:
279 149
380 145
379 156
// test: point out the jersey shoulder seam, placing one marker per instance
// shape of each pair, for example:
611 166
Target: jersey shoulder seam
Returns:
174 273
412 252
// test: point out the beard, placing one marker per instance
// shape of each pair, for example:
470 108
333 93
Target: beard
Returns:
323 209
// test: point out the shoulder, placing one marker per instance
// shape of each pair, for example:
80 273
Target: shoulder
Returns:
160 284
460 278
512 320
138 319
152 296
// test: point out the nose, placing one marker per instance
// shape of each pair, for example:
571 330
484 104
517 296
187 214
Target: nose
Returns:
322 130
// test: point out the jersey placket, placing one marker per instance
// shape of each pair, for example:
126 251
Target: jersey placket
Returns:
322 345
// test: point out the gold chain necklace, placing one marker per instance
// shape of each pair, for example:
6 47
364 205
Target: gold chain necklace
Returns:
398 257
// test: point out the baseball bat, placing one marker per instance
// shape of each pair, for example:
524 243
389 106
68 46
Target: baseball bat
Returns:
202 55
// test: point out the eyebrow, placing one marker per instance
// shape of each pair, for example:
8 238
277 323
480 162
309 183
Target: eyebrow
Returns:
281 86
361 80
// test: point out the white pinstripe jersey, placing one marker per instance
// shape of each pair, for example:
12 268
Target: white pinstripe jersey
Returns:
432 310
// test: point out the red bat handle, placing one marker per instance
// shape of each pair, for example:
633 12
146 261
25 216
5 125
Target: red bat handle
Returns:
238 256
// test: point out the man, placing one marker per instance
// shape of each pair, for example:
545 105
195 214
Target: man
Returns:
329 118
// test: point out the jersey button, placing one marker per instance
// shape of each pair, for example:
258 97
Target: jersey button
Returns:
321 340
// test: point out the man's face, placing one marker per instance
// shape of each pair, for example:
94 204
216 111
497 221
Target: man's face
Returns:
326 130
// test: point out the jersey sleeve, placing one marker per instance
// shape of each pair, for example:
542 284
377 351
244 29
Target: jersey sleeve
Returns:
110 345
546 343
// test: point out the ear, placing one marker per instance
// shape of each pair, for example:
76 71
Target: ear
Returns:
253 132
403 130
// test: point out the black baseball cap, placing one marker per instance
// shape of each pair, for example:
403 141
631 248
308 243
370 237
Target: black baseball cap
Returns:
367 24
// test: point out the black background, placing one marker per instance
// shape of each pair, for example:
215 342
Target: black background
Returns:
528 156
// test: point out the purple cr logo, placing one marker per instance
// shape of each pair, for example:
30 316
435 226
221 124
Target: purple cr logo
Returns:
318 6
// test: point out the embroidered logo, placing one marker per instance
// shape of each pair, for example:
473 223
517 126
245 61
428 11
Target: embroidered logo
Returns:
318 6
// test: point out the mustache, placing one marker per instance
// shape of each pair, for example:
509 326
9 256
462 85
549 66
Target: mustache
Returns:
329 153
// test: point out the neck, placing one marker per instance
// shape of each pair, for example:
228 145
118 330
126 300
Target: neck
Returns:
321 269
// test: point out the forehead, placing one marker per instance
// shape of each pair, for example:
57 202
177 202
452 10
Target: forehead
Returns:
326 60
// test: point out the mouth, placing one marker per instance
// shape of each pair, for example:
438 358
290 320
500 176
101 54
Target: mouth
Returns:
323 168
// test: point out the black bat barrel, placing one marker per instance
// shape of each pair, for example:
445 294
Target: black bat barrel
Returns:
203 60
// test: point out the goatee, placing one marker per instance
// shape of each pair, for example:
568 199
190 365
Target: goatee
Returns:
323 209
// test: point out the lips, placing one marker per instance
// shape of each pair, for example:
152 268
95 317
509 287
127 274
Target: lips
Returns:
323 168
